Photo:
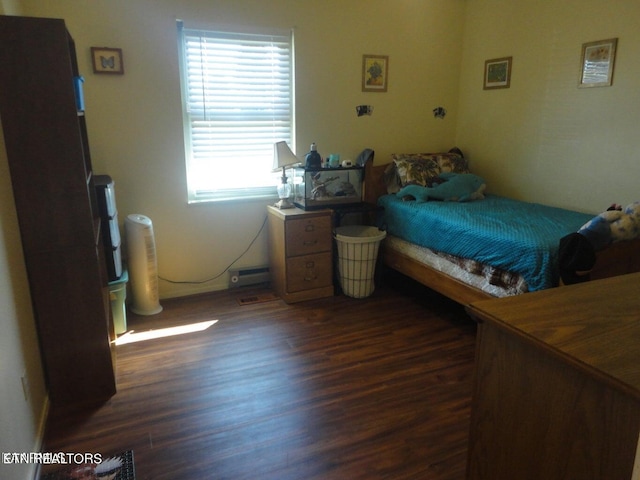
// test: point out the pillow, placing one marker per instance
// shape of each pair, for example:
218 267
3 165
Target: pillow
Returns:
452 162
416 169
422 168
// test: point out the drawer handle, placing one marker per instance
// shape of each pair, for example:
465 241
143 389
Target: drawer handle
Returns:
311 274
309 228
309 243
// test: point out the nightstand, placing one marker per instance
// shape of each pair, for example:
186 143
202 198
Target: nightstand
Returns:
300 253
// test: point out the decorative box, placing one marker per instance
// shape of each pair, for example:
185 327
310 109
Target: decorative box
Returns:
327 187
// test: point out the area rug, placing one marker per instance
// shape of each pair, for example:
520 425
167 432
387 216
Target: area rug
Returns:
116 467
260 298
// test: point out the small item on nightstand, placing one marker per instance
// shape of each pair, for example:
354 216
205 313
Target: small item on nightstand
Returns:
313 159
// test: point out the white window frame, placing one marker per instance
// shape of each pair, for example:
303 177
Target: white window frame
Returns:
230 127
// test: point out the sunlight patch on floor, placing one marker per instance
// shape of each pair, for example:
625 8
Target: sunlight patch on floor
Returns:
133 336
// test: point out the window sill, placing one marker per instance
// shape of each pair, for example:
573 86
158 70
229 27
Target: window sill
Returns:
226 199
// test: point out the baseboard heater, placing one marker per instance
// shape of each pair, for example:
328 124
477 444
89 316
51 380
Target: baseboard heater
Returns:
241 277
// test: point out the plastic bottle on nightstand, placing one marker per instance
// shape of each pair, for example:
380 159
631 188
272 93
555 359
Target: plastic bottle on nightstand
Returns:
313 159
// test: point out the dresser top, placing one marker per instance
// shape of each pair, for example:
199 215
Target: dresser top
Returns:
290 213
594 325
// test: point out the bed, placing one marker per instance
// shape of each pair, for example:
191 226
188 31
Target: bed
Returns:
502 247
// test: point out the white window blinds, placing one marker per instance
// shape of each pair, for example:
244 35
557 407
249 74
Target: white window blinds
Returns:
238 102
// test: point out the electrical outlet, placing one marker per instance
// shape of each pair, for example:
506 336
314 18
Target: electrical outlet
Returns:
25 386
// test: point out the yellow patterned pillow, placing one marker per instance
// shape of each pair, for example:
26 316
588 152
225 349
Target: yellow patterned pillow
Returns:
452 162
416 168
422 168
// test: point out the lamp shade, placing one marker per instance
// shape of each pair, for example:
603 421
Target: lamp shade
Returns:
283 156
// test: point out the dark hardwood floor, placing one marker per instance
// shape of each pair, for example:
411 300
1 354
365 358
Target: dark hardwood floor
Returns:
337 388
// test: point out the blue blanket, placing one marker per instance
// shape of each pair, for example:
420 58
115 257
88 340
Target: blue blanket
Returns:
516 236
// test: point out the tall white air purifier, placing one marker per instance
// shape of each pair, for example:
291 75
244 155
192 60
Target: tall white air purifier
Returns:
143 265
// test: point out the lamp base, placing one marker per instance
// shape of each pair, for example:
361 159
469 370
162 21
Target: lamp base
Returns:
284 203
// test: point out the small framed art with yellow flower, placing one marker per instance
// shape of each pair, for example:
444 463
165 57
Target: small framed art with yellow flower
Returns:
375 72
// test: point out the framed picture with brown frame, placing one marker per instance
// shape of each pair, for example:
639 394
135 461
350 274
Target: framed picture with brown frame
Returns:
375 72
497 73
596 66
107 60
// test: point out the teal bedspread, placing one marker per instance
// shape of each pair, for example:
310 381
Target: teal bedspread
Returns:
509 234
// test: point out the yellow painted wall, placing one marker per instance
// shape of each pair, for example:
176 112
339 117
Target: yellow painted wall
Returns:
20 417
544 139
135 126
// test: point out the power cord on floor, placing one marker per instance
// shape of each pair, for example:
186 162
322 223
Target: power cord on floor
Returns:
199 282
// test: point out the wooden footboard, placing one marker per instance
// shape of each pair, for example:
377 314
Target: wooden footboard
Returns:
619 259
442 283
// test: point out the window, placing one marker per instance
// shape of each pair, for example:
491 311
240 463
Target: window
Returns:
237 91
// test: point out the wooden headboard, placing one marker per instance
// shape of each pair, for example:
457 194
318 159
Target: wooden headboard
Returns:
374 185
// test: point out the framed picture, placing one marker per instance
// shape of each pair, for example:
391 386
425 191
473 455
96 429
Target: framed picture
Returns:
596 67
497 73
375 71
107 60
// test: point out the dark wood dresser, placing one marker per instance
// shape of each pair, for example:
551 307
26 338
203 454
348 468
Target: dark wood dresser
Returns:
53 185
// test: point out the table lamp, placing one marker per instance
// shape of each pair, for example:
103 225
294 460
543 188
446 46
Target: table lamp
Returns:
283 157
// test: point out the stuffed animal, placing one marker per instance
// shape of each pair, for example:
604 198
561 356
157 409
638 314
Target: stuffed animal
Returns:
627 225
460 187
614 225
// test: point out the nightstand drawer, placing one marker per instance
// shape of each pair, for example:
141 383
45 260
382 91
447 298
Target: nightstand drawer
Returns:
308 235
309 271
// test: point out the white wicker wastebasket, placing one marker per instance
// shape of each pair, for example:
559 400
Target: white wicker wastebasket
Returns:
357 254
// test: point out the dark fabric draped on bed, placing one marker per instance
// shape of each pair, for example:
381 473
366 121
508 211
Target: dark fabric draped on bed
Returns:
516 236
